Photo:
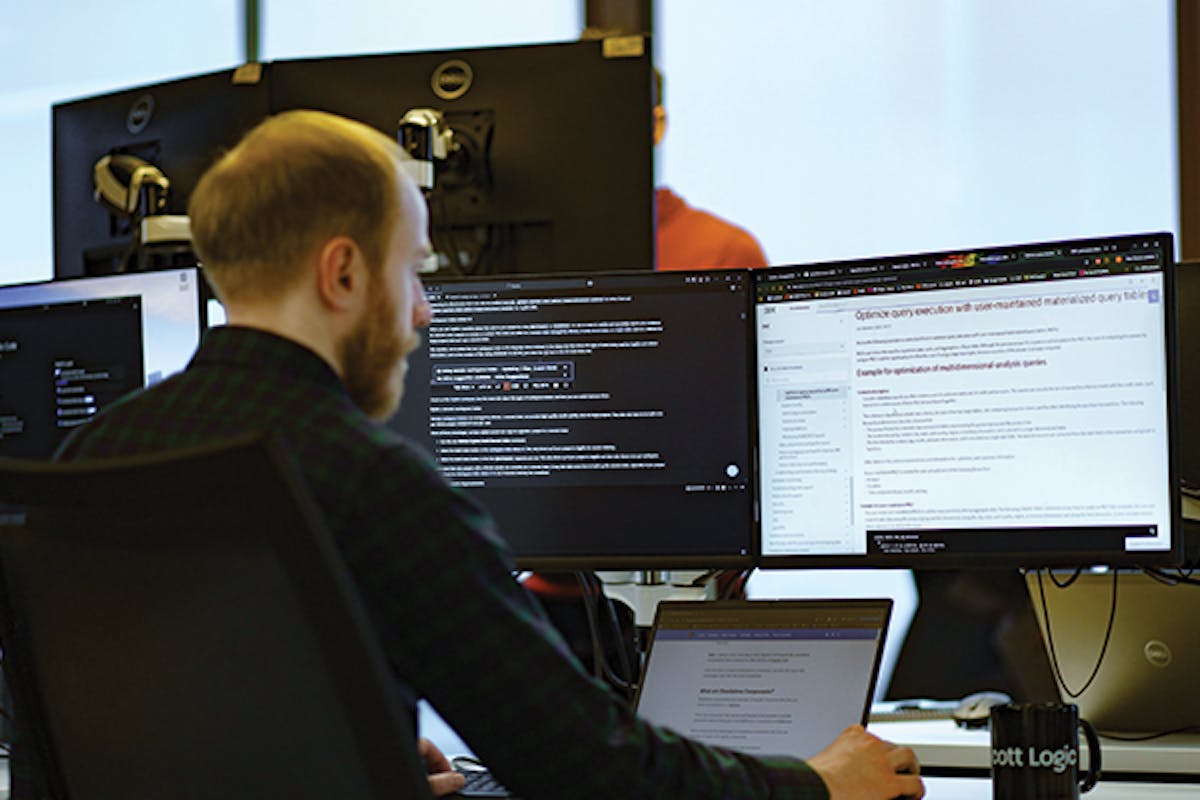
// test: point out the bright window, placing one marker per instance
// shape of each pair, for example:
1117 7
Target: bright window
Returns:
308 28
64 49
840 130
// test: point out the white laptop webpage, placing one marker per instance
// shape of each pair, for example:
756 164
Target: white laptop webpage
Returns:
780 677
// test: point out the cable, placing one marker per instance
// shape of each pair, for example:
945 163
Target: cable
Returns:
1172 580
441 232
1168 579
451 238
630 677
628 682
1074 577
598 661
600 666
1050 636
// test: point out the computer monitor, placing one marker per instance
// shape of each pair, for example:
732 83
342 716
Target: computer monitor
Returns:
549 167
178 126
69 348
1187 281
1188 293
999 406
604 420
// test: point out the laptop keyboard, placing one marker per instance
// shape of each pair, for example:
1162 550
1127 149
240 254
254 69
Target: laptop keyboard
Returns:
912 710
481 783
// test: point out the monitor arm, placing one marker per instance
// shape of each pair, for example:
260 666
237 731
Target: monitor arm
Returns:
137 190
130 186
424 135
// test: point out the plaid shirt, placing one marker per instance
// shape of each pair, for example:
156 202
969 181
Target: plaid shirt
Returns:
437 581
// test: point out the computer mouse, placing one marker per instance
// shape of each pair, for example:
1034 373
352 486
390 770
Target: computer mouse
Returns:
974 710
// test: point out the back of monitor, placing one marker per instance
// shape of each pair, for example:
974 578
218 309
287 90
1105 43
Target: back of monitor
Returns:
1146 680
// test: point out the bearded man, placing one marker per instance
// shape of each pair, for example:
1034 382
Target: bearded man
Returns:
312 236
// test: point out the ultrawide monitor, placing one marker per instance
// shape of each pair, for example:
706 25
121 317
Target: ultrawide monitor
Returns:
604 420
69 348
1002 406
549 163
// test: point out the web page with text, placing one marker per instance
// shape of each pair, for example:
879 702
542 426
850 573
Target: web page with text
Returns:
1005 401
771 681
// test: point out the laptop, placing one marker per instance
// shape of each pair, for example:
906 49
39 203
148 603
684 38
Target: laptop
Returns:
1143 681
765 677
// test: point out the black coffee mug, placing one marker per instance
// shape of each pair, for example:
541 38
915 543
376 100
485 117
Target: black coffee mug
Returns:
1035 752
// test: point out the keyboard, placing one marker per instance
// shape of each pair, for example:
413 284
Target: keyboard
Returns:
912 710
481 783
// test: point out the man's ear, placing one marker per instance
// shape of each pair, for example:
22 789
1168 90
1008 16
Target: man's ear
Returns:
341 279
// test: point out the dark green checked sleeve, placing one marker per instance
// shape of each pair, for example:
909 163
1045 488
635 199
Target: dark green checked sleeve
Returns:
465 635
436 580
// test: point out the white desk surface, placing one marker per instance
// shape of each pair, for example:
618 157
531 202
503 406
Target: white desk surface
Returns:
940 743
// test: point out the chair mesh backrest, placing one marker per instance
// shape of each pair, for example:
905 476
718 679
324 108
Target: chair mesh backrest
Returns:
183 626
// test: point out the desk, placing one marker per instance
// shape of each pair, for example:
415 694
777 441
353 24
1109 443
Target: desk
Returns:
943 747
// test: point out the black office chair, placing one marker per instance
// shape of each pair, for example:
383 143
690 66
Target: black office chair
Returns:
182 626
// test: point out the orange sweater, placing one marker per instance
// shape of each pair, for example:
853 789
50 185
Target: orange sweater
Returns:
689 238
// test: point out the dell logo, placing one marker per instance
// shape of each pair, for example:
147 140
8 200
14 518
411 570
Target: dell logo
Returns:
1158 653
140 114
452 79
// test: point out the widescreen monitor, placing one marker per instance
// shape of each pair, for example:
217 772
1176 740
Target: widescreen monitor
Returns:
603 420
998 406
69 348
178 126
550 164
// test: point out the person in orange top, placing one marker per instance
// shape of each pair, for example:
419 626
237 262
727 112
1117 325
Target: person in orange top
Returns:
689 237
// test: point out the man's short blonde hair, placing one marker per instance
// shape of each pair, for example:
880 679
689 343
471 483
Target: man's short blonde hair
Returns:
294 182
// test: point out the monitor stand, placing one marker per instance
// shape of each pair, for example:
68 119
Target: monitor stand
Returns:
643 590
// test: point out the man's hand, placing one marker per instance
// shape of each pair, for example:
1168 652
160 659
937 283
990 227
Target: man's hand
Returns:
443 780
860 766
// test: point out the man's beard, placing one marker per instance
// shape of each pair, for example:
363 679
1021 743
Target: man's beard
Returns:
373 359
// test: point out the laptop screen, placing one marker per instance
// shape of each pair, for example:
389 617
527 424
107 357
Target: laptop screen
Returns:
763 677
